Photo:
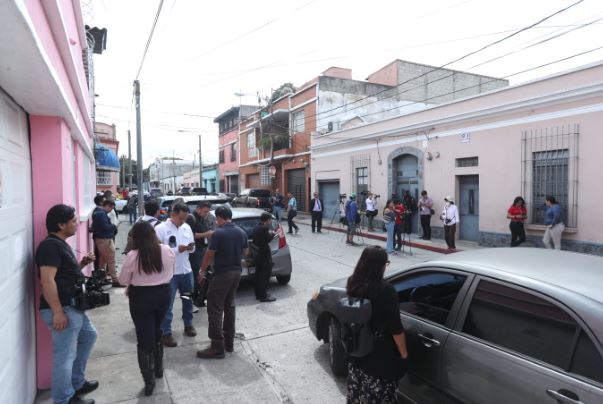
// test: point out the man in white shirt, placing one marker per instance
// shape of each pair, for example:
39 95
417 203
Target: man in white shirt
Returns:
175 233
450 217
316 207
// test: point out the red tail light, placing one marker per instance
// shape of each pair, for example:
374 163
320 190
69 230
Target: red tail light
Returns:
282 240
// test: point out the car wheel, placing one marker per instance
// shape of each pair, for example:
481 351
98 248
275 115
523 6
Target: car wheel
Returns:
337 359
283 279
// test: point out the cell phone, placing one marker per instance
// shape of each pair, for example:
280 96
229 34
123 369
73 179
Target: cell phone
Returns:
191 244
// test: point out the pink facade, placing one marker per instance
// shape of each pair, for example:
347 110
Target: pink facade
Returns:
45 77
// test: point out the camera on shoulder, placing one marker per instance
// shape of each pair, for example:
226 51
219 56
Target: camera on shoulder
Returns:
90 293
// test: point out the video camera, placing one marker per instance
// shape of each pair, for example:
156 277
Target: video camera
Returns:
90 292
342 197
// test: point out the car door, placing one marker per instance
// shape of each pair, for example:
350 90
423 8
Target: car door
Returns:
429 301
514 345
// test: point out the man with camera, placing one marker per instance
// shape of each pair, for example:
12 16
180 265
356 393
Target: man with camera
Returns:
178 235
73 335
352 219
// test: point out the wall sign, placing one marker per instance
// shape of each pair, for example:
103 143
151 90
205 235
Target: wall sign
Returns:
465 137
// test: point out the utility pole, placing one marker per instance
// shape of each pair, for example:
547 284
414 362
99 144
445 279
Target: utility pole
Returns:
138 148
129 160
173 172
200 164
122 171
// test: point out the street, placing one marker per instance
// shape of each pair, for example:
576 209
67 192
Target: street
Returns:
276 358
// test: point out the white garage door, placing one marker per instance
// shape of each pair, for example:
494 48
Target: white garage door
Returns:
17 326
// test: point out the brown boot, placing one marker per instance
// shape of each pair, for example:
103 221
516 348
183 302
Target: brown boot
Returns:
190 331
214 351
169 341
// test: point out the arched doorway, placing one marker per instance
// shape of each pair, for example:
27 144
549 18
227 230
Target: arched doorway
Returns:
406 174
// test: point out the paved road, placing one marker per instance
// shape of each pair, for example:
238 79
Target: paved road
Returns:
276 358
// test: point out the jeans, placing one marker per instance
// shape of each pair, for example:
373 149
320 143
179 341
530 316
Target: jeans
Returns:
277 210
389 227
221 313
71 348
133 214
184 284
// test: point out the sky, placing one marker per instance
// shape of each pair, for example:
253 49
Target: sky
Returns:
203 52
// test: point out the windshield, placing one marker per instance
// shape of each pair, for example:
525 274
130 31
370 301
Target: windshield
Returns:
262 193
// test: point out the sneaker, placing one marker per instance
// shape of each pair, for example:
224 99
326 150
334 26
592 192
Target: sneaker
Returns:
169 341
190 331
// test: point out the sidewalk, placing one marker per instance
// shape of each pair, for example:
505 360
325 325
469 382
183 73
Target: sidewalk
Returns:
435 245
187 379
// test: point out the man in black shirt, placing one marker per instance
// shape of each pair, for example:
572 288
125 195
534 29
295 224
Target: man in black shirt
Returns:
202 228
226 248
261 236
73 335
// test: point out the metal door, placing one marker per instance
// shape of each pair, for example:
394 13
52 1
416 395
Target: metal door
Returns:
253 180
406 174
329 193
296 184
468 207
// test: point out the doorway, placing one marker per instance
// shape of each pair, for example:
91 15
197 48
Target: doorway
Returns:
406 178
468 207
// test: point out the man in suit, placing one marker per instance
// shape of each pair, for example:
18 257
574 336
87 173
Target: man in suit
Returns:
316 207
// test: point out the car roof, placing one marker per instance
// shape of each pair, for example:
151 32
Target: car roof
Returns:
568 271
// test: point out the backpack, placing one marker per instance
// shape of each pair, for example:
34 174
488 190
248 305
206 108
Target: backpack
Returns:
154 221
354 315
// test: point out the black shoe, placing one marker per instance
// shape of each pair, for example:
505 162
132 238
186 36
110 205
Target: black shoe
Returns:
214 351
319 231
79 400
169 341
89 385
268 299
228 345
313 231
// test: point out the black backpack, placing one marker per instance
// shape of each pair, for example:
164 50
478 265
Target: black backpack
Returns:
354 315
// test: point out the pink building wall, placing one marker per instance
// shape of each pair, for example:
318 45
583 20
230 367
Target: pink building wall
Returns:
228 165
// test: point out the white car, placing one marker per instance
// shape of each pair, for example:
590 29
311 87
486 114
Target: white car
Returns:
120 206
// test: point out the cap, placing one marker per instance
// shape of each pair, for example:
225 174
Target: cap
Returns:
449 199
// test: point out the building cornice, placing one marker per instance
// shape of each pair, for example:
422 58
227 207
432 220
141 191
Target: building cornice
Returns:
276 158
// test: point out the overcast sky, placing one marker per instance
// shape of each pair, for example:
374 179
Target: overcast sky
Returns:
203 52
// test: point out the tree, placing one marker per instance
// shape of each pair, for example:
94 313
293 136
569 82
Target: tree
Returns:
282 90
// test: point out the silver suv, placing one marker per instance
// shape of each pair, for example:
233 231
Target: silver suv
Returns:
521 326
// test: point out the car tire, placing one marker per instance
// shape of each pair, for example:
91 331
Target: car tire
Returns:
337 360
283 279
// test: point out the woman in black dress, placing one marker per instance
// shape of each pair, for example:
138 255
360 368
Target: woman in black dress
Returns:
374 378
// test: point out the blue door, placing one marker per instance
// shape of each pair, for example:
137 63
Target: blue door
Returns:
468 206
329 194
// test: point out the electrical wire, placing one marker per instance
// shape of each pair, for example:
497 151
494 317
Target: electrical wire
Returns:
146 49
159 112
477 85
458 59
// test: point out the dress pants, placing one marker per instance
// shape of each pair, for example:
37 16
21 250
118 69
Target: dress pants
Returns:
263 271
316 220
221 312
449 235
426 226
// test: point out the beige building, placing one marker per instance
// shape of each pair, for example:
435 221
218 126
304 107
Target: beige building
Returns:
538 138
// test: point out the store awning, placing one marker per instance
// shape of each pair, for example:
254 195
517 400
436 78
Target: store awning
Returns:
106 159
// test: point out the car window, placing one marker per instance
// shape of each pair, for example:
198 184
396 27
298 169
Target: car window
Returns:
263 193
587 360
249 223
429 295
521 322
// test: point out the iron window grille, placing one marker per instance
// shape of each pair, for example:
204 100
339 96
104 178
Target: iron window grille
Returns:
299 122
103 177
264 176
221 156
467 162
550 167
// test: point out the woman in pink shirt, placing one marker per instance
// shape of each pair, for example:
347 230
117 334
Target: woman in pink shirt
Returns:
147 270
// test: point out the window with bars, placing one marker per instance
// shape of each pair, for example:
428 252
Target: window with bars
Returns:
251 147
550 160
299 121
233 152
221 156
264 176
467 162
103 177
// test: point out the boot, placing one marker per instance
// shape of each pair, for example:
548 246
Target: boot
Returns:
214 351
145 362
158 354
228 344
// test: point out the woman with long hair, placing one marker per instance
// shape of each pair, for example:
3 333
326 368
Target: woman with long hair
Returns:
553 219
374 377
518 214
389 218
148 270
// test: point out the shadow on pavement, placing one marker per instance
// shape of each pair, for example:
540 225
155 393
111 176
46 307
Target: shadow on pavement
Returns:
321 354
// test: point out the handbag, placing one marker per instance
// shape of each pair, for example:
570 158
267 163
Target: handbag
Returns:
431 211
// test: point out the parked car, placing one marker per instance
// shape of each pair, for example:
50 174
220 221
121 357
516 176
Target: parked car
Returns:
254 198
199 191
184 191
521 326
156 192
247 219
165 203
121 205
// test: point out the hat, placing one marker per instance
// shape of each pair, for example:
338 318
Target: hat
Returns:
352 195
449 199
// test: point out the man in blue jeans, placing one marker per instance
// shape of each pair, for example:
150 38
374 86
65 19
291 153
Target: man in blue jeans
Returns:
175 233
73 335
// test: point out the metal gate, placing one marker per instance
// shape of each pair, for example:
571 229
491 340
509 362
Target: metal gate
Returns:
296 184
468 207
329 193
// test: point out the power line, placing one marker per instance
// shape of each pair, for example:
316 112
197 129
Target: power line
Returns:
160 112
472 53
477 85
471 67
146 49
